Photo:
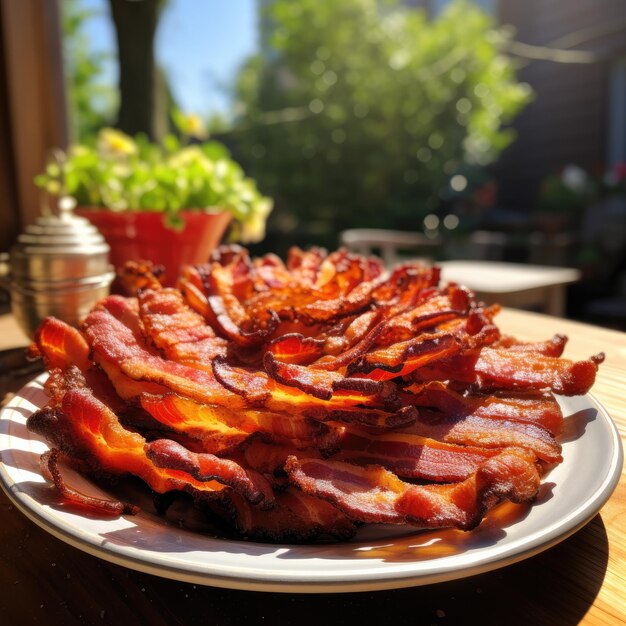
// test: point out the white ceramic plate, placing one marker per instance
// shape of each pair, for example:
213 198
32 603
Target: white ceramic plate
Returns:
380 557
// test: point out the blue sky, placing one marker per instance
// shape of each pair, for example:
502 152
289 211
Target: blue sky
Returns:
201 44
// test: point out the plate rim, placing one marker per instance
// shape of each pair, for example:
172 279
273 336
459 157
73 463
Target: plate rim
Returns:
367 579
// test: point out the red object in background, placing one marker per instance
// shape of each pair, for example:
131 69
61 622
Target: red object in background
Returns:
620 171
145 237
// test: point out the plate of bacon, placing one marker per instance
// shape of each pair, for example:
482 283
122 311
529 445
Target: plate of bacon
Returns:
314 425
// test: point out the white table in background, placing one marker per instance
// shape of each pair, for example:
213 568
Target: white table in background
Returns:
516 285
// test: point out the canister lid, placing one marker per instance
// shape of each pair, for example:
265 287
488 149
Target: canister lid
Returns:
59 248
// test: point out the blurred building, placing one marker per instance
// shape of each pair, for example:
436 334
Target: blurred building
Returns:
579 114
573 54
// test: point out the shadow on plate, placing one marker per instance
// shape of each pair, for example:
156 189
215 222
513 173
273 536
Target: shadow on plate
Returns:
574 425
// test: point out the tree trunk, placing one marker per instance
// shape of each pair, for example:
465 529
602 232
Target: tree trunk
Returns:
135 26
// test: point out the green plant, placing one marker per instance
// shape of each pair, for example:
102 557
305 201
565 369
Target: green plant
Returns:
91 101
361 112
566 193
120 173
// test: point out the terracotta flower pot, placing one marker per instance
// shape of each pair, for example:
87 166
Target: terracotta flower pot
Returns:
145 237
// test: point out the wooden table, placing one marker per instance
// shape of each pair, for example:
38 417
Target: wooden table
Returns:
581 580
516 285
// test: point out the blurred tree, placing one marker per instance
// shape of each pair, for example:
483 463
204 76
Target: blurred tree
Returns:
135 27
91 102
360 112
164 104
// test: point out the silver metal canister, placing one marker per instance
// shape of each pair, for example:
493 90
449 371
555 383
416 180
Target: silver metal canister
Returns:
59 266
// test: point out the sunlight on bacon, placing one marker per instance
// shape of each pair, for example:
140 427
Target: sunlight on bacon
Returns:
295 400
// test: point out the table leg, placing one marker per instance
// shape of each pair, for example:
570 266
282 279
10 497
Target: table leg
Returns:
555 302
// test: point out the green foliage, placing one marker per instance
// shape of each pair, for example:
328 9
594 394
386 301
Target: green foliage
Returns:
559 198
358 113
91 102
125 174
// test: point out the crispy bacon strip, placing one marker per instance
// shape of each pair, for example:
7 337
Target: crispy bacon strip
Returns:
219 315
405 283
491 369
402 358
178 331
193 295
433 309
305 264
114 344
373 494
297 301
221 428
342 271
126 387
510 475
364 494
328 311
125 311
61 345
489 433
341 338
84 428
269 459
348 333
295 518
214 434
296 348
244 328
90 431
325 385
237 274
552 347
221 307
49 464
412 456
535 407
373 418
169 455
64 349
505 368
134 276
270 273
400 324
331 275
259 389
358 348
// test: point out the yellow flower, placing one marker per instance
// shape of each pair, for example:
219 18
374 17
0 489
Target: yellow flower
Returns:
188 156
115 142
192 125
76 150
253 228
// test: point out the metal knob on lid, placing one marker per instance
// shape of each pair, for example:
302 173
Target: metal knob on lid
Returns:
59 266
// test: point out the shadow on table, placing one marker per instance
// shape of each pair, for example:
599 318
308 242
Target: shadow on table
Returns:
528 592
555 587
